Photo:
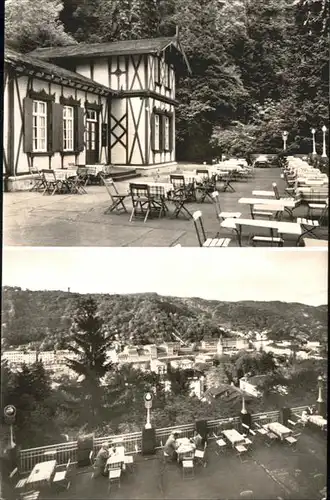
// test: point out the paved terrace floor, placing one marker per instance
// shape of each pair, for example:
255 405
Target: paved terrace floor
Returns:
271 473
79 220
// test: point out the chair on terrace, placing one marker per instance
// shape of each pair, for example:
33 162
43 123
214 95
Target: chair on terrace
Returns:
129 463
51 184
21 483
201 236
188 469
206 186
241 450
117 199
38 179
62 476
114 477
292 195
222 215
29 495
319 207
200 456
143 203
179 183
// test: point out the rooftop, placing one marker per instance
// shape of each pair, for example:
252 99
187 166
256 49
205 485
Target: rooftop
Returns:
271 473
144 46
24 63
79 220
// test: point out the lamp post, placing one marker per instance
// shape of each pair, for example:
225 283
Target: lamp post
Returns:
324 153
243 410
314 145
285 138
148 406
320 400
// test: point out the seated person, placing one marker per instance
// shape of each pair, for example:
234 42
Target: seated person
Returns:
197 440
101 461
171 446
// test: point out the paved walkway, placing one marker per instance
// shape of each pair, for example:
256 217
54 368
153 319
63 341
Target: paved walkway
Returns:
79 220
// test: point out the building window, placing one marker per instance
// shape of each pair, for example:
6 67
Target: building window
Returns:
166 133
68 122
39 126
167 76
157 70
157 133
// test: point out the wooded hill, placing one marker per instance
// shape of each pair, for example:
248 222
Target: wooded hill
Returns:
45 317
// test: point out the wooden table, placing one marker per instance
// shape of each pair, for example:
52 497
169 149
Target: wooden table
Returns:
318 420
282 227
279 429
234 437
184 448
284 202
42 473
116 458
314 242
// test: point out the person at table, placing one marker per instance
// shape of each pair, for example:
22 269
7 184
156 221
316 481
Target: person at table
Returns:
171 446
101 461
197 440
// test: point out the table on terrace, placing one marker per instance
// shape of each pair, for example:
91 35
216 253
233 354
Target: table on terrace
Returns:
117 458
318 420
62 174
234 437
158 189
279 429
42 474
185 448
292 228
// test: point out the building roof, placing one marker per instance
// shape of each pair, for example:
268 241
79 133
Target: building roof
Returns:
124 47
256 379
29 64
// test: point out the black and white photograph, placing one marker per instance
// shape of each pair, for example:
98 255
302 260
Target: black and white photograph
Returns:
159 123
188 380
135 363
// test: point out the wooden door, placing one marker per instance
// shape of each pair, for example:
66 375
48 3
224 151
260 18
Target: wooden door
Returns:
92 136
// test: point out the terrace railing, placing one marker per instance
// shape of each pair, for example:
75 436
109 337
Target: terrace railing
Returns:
133 441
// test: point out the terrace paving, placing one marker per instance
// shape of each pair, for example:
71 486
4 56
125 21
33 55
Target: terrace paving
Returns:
79 220
271 473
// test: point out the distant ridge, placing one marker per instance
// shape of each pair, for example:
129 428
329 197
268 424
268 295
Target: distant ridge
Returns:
45 316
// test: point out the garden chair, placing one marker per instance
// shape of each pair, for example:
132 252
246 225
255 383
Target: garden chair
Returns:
51 184
38 180
62 476
114 477
188 469
179 198
21 483
200 456
206 186
29 495
143 203
82 174
201 236
180 185
241 450
319 207
117 199
278 197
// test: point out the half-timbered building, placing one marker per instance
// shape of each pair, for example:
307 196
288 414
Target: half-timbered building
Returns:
108 103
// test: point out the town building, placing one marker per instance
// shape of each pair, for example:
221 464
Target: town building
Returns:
111 103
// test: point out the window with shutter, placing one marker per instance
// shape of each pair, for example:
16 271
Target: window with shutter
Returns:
57 127
80 130
27 106
68 128
39 126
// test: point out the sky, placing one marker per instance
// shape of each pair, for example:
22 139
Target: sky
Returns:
288 275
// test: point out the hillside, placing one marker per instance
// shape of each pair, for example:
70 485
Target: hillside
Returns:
45 317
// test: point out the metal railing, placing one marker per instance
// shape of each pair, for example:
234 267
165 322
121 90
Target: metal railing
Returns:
62 452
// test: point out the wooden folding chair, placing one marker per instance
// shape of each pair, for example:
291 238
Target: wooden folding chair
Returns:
228 179
29 495
241 450
206 186
52 185
319 207
21 483
114 477
188 469
179 199
117 199
180 186
201 236
286 198
143 203
38 180
62 476
222 215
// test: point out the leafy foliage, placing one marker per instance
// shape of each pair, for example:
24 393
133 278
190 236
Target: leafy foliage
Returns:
32 24
45 317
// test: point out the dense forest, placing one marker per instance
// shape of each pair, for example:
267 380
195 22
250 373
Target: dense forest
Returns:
44 318
258 67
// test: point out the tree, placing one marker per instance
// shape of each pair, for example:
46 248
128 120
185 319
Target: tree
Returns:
90 345
32 24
